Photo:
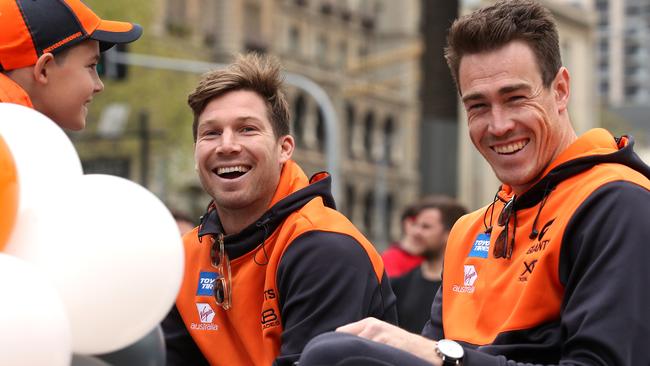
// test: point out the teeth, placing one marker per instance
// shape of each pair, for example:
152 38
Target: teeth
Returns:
232 169
510 148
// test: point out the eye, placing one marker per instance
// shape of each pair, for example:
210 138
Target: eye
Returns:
209 133
476 107
93 66
515 98
247 129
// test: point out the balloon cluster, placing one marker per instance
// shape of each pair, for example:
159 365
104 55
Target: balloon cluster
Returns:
89 263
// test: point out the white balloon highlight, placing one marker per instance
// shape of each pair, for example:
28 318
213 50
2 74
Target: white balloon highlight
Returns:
43 153
34 328
113 251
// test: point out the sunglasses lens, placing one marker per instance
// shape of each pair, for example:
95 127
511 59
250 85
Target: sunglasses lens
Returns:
214 255
504 216
499 244
219 291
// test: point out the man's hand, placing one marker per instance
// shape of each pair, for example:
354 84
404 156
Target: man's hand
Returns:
382 332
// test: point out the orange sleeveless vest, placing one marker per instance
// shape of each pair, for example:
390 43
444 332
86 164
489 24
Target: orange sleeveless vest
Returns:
249 333
484 296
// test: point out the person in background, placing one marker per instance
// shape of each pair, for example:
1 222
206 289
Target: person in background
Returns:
416 289
404 254
555 270
272 263
49 50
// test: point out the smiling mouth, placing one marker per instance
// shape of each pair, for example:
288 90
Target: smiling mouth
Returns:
231 172
511 148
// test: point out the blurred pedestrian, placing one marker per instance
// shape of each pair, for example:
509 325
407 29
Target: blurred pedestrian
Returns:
405 254
416 289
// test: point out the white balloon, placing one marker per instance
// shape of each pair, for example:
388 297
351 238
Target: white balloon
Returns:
43 153
115 254
34 328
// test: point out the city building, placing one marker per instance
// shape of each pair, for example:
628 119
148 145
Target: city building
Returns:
365 54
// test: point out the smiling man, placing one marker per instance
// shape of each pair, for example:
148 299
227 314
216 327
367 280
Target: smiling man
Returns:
272 263
49 50
552 272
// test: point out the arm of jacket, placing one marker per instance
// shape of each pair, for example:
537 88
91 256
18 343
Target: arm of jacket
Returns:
326 280
604 267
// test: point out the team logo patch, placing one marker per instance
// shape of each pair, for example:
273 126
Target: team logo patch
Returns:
206 284
206 315
481 246
469 277
528 270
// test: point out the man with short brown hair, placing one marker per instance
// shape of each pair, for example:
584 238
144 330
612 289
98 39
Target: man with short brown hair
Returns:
554 271
272 263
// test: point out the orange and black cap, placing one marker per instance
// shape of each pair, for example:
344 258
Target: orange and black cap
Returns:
30 28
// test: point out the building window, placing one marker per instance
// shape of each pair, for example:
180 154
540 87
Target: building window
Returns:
208 25
389 140
299 109
631 91
321 49
176 18
321 133
349 118
369 124
631 49
388 215
604 88
254 41
348 205
343 54
368 211
294 39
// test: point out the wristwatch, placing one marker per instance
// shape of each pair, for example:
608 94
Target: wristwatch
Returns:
450 352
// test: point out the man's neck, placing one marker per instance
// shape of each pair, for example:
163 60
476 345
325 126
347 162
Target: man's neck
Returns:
234 221
432 268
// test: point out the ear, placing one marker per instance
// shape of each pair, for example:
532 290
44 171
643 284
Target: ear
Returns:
287 144
41 68
196 163
561 89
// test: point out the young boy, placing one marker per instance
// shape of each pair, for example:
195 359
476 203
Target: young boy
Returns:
49 51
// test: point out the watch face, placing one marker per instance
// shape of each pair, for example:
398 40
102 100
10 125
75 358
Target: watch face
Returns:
451 349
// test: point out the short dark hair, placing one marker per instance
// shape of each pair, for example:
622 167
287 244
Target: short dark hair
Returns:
492 27
409 212
254 72
449 208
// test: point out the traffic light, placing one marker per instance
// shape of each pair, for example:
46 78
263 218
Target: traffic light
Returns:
108 65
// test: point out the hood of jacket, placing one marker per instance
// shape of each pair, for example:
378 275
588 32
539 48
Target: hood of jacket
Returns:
293 192
11 92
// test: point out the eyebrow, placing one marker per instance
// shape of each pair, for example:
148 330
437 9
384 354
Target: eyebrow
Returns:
238 119
504 90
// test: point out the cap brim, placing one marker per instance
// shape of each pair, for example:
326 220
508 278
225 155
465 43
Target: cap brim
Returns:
110 33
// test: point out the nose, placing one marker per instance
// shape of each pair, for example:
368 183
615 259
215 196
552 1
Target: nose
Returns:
99 85
228 143
500 122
